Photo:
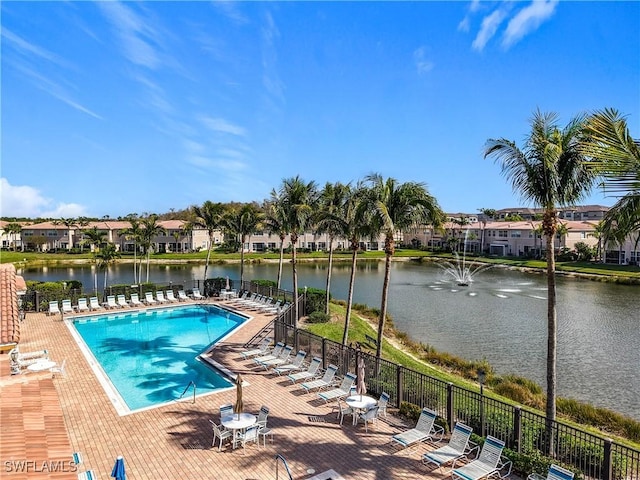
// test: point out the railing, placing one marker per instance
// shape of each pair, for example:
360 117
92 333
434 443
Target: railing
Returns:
191 383
280 458
522 429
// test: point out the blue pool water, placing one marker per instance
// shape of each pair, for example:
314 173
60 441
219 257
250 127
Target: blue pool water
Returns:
150 356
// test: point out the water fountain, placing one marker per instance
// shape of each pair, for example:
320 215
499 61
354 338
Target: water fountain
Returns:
461 271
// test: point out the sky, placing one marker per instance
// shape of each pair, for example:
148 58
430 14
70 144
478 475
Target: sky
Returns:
111 108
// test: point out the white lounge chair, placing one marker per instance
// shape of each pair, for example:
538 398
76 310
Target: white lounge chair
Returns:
325 382
458 447
59 369
275 353
489 463
280 360
121 301
340 392
295 364
309 373
54 308
182 296
196 295
425 429
82 305
66 306
170 297
555 472
94 304
262 349
111 302
135 300
148 298
160 297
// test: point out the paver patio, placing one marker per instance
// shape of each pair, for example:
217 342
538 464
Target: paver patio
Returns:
174 441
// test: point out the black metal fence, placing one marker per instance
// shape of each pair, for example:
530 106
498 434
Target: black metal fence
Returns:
522 430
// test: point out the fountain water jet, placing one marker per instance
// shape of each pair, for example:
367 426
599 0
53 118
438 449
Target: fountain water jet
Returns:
462 272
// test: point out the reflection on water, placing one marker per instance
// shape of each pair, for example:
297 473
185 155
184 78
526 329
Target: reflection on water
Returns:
501 316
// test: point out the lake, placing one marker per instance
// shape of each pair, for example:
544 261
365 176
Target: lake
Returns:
501 316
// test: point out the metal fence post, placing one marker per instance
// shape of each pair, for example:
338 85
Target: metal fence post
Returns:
324 352
607 462
450 419
517 429
37 301
400 388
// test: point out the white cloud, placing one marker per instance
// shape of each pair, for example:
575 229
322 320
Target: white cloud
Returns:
221 125
465 23
528 20
27 48
26 201
490 25
423 65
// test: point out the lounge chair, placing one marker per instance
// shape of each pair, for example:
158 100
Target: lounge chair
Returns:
196 294
458 447
59 369
19 361
325 382
135 301
555 472
262 349
425 429
148 298
489 463
82 305
54 308
121 301
281 360
275 353
273 308
160 297
311 372
94 304
170 297
111 302
295 364
340 392
182 296
66 306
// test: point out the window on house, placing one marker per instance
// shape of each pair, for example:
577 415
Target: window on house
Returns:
515 234
503 233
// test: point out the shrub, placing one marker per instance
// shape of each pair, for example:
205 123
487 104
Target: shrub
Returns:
318 317
316 300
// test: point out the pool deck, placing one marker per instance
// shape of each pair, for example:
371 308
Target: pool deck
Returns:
44 420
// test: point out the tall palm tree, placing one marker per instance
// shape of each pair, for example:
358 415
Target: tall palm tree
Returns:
12 229
104 257
598 234
209 216
242 223
549 171
275 224
397 207
134 232
95 238
299 199
615 155
150 229
332 202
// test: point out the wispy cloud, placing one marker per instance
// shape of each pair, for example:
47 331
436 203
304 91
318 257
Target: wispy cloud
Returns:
489 27
230 10
465 23
30 49
528 20
270 78
423 64
220 125
26 201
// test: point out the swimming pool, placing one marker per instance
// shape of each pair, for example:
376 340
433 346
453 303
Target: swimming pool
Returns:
150 356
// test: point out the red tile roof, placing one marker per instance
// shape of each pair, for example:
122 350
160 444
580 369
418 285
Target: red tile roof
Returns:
9 315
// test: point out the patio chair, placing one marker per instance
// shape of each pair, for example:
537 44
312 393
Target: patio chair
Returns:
66 306
135 301
489 463
160 297
280 360
226 410
370 415
221 434
457 448
111 302
196 295
94 304
555 472
170 297
121 301
148 298
59 369
295 364
382 404
87 475
325 382
342 391
54 308
263 431
311 372
275 353
343 410
425 429
182 296
262 349
249 435
82 305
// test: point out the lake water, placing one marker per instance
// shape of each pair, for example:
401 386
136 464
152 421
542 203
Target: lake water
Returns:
500 317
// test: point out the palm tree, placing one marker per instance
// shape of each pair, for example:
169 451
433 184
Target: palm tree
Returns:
134 232
298 202
95 238
397 207
187 230
150 229
550 172
275 224
208 216
105 257
598 234
242 223
615 155
12 229
561 232
332 204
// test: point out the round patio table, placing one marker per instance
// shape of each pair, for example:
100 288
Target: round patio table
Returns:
237 422
360 403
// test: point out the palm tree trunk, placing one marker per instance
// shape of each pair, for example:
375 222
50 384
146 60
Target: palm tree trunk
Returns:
135 262
280 261
383 303
294 271
206 265
328 294
352 279
242 239
551 345
148 260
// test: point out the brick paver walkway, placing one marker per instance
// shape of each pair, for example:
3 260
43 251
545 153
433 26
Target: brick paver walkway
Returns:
174 441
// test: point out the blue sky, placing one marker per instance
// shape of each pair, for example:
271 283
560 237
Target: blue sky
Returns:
112 108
